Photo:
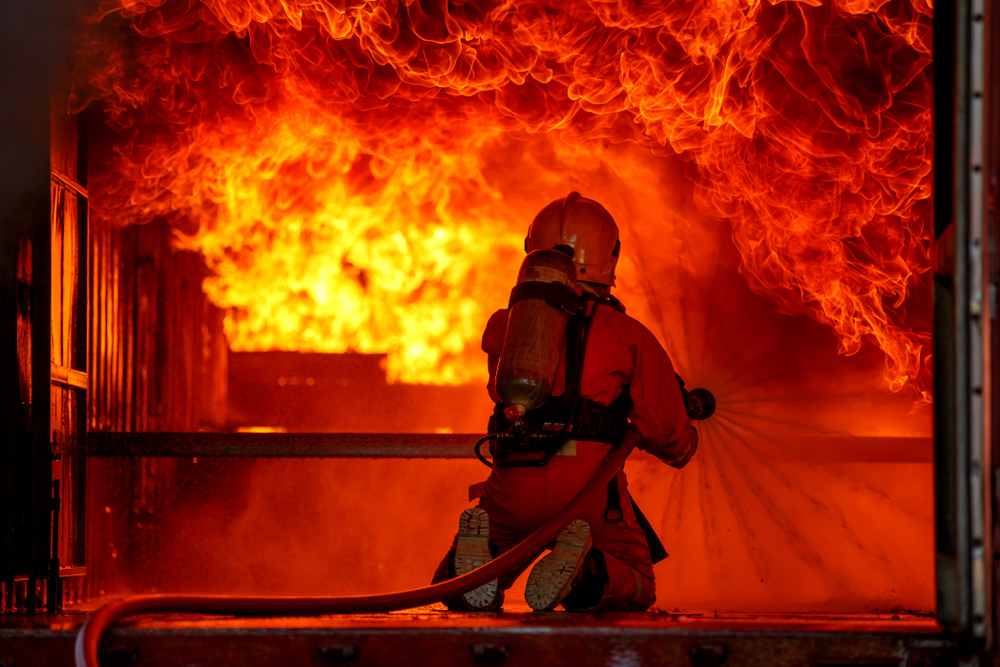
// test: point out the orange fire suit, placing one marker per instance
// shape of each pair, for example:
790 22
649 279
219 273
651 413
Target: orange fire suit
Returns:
518 500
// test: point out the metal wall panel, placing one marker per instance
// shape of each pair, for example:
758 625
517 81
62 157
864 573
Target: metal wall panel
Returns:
157 359
962 334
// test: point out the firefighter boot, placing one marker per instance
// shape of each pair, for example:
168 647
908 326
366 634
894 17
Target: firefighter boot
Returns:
472 551
553 577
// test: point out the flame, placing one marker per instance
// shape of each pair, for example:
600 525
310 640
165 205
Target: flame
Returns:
332 159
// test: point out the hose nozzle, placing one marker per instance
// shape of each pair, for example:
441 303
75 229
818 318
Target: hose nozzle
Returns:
700 403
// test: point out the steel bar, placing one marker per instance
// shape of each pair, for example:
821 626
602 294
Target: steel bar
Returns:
68 377
68 182
458 446
291 445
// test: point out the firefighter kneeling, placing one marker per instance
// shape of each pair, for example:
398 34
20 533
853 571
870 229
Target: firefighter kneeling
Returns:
570 373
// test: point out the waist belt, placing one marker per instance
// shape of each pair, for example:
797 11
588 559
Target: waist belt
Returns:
594 421
613 514
551 426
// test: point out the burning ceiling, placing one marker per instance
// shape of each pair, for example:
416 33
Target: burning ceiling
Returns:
336 161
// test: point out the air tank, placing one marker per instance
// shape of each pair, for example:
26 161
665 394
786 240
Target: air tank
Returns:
535 336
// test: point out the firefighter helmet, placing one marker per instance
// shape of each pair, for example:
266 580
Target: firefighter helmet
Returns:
583 229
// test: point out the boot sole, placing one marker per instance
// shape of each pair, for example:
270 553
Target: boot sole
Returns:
472 551
551 580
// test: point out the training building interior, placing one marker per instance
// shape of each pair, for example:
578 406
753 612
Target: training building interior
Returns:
248 251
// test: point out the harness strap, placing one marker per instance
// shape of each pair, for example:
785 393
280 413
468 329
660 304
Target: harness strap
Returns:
477 491
613 514
656 550
577 334
557 294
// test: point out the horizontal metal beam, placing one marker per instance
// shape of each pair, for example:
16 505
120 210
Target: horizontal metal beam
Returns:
320 445
68 377
68 182
457 446
64 572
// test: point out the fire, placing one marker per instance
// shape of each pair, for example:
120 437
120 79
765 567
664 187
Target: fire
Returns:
334 161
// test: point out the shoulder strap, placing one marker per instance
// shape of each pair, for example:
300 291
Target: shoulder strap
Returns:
656 550
609 300
556 294
577 333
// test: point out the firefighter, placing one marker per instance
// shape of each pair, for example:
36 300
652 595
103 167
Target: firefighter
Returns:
603 560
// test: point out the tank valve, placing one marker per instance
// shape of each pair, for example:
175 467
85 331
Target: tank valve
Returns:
515 415
700 403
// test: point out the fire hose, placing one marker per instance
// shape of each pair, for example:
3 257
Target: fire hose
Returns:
90 634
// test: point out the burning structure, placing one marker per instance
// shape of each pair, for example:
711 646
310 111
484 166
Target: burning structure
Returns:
277 230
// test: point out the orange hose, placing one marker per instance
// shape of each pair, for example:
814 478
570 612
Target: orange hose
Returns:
108 615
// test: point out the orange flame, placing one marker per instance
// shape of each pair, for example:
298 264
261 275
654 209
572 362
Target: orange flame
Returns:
331 158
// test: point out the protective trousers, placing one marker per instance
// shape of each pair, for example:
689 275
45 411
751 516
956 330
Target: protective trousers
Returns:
519 500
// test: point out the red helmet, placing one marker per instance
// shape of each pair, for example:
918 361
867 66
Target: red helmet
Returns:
584 230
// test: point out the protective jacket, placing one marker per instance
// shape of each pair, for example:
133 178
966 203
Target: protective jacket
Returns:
620 352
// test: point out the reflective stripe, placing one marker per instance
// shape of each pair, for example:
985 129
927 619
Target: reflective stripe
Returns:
569 449
638 589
